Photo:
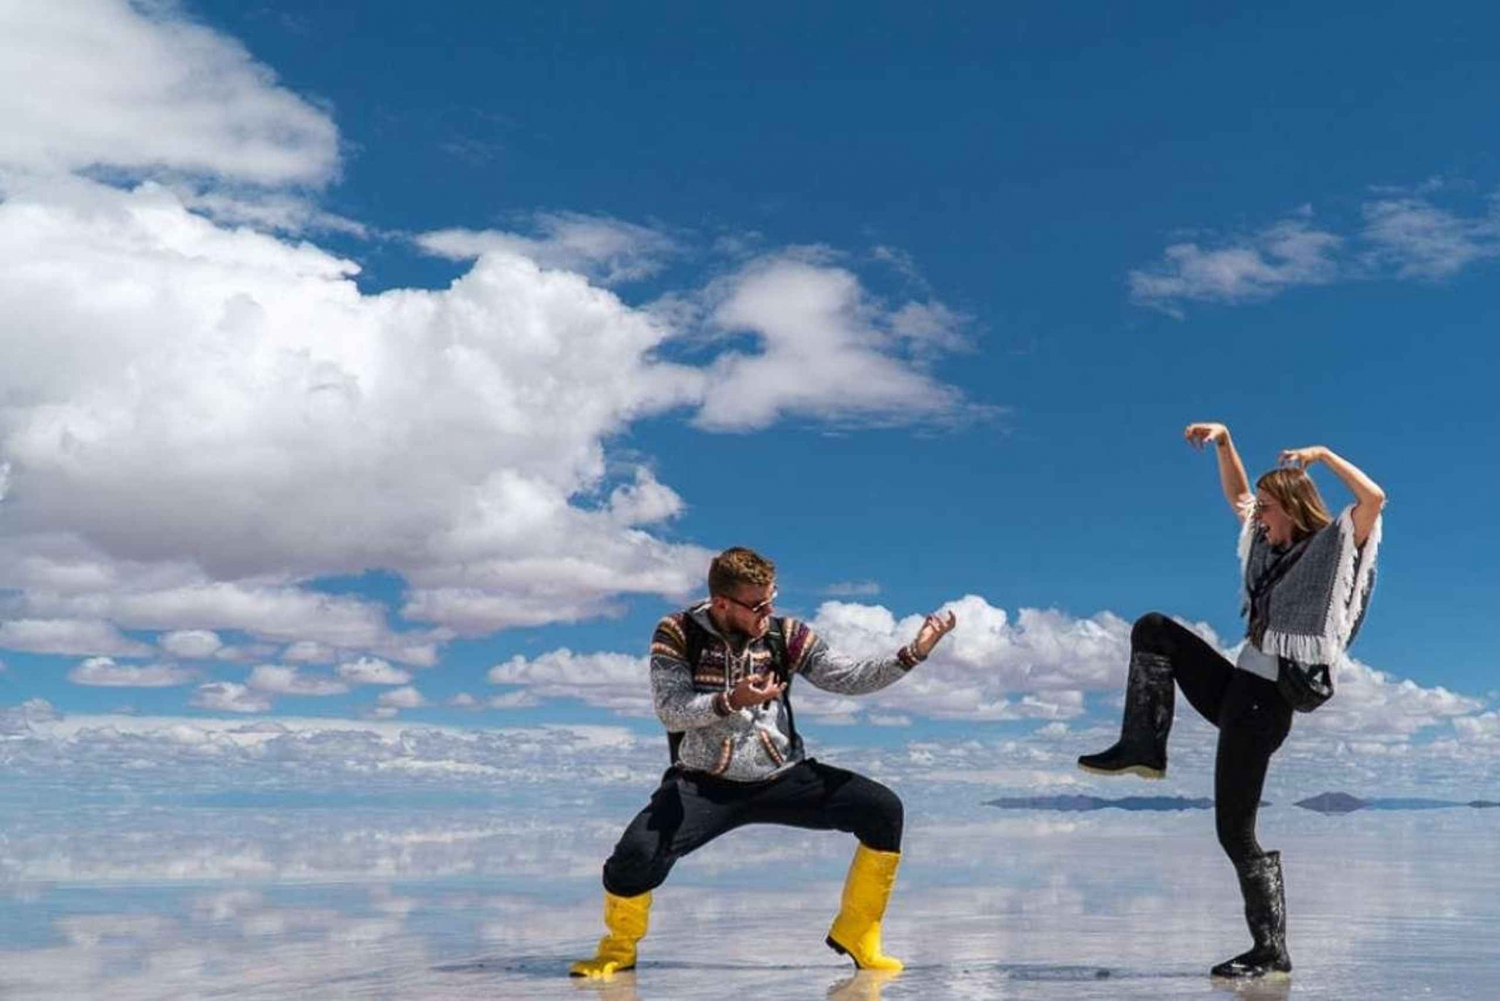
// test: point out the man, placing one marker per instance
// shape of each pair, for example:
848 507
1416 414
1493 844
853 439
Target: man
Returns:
720 676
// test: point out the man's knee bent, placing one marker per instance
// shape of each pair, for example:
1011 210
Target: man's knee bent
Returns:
883 819
631 873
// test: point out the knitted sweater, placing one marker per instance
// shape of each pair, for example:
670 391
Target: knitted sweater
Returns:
753 743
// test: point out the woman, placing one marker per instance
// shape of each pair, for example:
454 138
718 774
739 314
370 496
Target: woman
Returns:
1307 579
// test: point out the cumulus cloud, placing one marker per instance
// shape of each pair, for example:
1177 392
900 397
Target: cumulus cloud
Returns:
402 698
827 350
610 251
226 696
191 643
105 673
615 681
1374 705
205 416
68 636
1036 665
137 86
277 679
372 671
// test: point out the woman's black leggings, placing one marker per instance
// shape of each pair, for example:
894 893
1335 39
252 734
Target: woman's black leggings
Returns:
1252 717
690 809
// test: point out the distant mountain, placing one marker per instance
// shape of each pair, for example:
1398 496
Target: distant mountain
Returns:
1342 802
1332 802
1081 804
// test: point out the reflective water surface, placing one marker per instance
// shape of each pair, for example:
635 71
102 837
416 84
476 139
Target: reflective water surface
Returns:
256 901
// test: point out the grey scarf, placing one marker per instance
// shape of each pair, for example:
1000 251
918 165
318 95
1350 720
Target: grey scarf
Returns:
1315 608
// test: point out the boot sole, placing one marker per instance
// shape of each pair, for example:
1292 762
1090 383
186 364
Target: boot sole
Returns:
841 951
585 976
1272 977
1142 771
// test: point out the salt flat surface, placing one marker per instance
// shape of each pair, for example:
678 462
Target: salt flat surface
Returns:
255 902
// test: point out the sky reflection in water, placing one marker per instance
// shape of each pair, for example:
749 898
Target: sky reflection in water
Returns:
365 903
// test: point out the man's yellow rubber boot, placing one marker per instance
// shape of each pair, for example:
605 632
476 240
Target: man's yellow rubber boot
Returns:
856 931
626 919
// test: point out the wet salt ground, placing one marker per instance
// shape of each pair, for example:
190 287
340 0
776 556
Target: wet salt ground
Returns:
476 904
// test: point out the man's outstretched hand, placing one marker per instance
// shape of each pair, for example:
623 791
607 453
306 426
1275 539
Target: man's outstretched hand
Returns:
934 627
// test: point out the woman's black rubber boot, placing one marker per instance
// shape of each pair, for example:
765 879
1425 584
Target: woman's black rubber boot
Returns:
1265 913
1142 747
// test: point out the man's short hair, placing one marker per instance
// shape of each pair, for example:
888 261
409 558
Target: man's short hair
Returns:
738 566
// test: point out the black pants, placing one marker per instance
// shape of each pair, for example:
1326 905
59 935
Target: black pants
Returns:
690 809
1252 717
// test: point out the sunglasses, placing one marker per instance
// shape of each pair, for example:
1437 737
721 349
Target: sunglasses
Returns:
759 608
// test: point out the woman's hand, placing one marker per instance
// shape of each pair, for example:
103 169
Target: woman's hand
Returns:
1232 478
1205 433
934 628
1301 458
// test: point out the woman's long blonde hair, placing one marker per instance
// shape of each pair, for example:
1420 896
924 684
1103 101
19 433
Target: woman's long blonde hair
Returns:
1298 496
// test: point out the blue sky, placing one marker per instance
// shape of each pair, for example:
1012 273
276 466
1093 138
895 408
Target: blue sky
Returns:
348 357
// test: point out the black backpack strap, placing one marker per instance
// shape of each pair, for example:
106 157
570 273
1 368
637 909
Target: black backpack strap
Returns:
695 639
776 639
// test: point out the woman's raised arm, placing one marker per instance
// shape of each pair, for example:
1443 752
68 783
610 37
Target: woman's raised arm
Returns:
1231 470
1369 499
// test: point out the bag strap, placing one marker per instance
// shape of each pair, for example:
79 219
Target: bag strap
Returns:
1260 591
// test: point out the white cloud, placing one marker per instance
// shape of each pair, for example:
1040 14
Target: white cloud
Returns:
401 698
612 680
852 589
277 679
80 637
203 416
310 652
191 643
136 86
609 251
20 720
1405 234
372 671
1286 254
827 350
104 672
519 699
1423 240
990 667
895 719
1373 705
226 696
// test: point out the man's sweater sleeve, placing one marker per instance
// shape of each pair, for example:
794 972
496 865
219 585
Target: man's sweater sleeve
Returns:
677 705
810 656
